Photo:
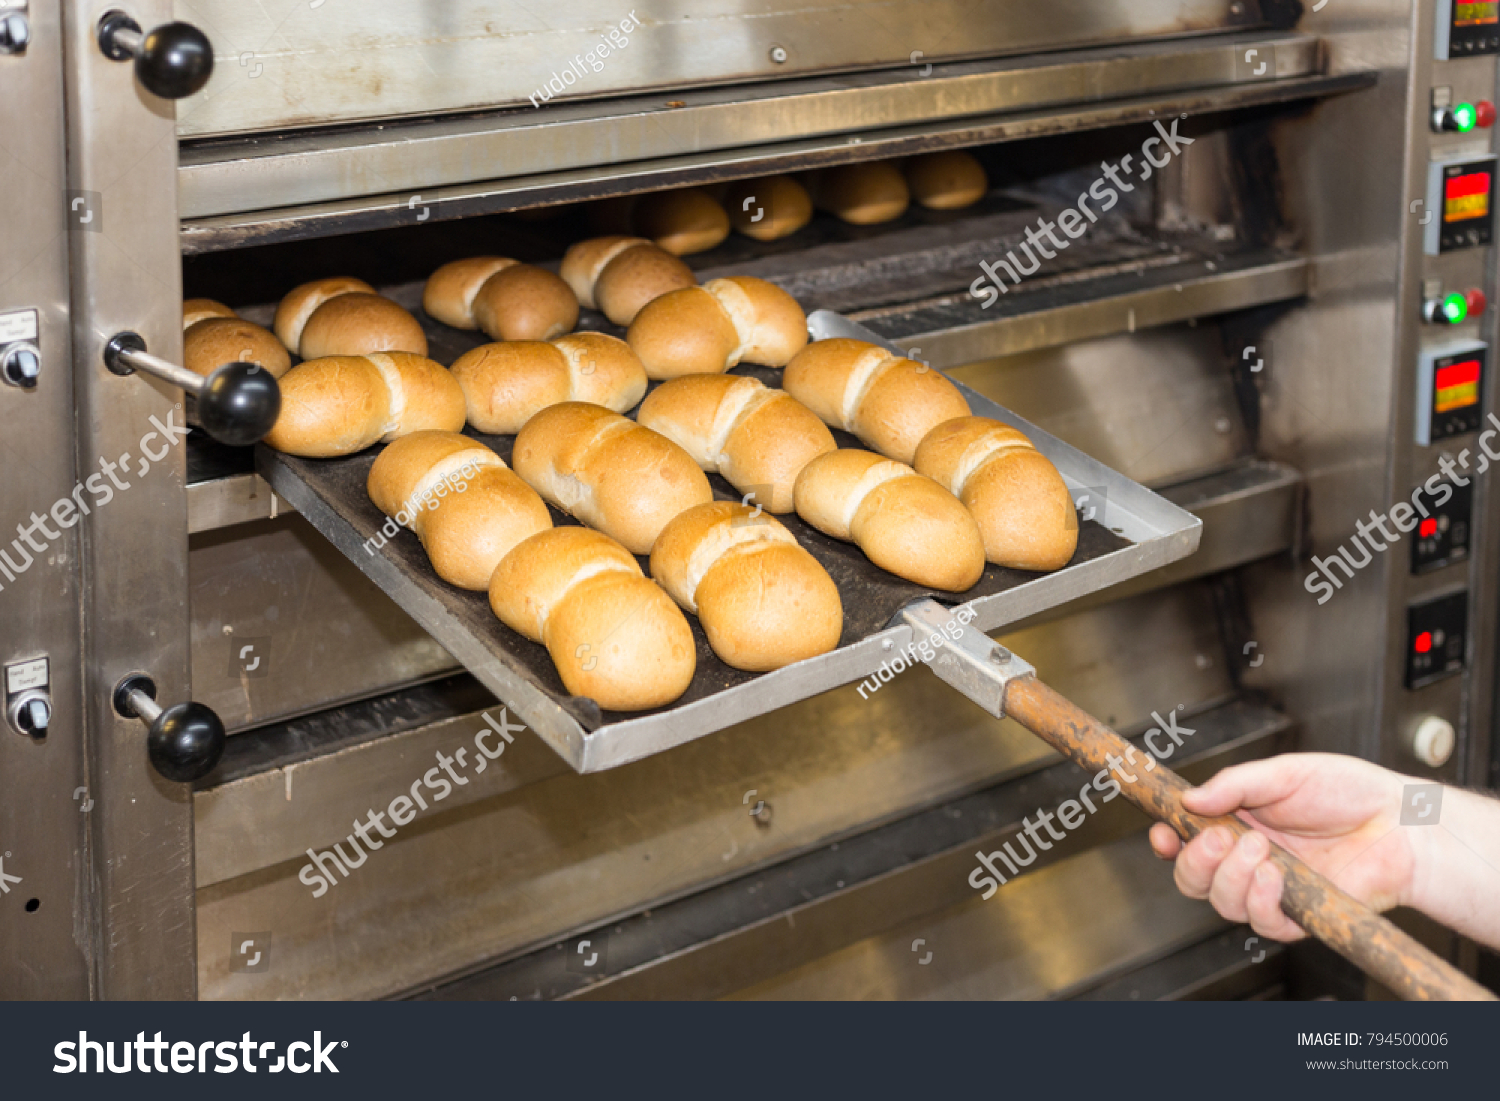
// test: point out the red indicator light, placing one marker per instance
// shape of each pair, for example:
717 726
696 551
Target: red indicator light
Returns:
1477 301
1428 528
1484 114
1423 645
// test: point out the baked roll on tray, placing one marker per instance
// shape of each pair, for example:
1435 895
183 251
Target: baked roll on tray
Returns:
214 335
709 329
608 471
460 499
905 523
619 275
338 405
763 600
1021 503
344 316
947 180
509 300
681 221
758 438
768 208
506 384
861 194
889 402
614 635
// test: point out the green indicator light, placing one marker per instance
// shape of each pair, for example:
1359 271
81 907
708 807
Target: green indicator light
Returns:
1455 308
1464 117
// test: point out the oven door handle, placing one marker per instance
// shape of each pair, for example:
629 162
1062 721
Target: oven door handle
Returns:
185 741
1006 686
238 403
173 61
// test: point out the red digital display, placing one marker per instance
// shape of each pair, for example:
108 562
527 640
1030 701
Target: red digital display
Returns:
1456 386
1466 196
1423 644
1428 528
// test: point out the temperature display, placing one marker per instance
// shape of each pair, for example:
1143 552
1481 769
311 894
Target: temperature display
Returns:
1473 15
1462 193
1466 29
1466 197
1450 386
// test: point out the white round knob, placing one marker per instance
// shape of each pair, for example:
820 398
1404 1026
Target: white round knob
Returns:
1433 741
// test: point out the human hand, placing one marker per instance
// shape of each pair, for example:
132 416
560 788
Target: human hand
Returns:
1339 814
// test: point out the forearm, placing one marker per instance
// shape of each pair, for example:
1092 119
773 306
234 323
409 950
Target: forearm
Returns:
1456 879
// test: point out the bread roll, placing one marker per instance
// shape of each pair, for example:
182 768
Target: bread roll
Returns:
889 402
764 602
948 180
299 303
215 341
195 310
619 275
612 632
609 472
757 437
507 299
769 208
468 509
342 404
905 523
507 384
862 194
709 329
1021 503
682 222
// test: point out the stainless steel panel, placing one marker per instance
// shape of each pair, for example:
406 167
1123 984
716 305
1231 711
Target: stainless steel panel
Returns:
358 211
237 499
1044 935
126 275
290 63
530 864
333 499
45 901
282 624
231 177
1157 406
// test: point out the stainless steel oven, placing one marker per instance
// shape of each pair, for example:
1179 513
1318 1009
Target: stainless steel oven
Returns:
1267 334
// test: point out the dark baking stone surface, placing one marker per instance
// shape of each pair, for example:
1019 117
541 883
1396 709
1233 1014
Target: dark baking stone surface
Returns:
871 596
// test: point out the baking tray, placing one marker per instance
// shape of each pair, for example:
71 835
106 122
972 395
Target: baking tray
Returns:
1124 530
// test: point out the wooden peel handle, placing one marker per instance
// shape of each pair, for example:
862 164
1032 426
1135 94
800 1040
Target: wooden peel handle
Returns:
1348 926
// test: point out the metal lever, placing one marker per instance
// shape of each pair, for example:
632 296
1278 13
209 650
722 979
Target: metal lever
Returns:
1006 686
237 404
173 61
185 741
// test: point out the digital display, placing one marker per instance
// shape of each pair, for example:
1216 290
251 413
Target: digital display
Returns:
1473 15
1456 386
1466 196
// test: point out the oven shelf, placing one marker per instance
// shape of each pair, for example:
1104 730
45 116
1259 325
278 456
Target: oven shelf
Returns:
249 190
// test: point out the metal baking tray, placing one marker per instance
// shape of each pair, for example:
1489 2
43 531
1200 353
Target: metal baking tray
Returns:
1124 530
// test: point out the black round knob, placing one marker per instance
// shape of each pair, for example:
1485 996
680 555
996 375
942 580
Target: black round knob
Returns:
185 742
239 403
175 60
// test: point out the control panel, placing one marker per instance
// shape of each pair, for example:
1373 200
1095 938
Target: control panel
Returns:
1437 639
1466 29
1443 534
20 350
1450 390
1461 193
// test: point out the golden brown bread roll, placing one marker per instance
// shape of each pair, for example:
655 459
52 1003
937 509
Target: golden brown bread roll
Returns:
465 505
683 221
344 316
757 437
619 275
507 299
764 602
195 310
507 384
1018 498
342 404
949 180
905 523
889 402
215 341
612 632
862 194
709 329
769 208
609 472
